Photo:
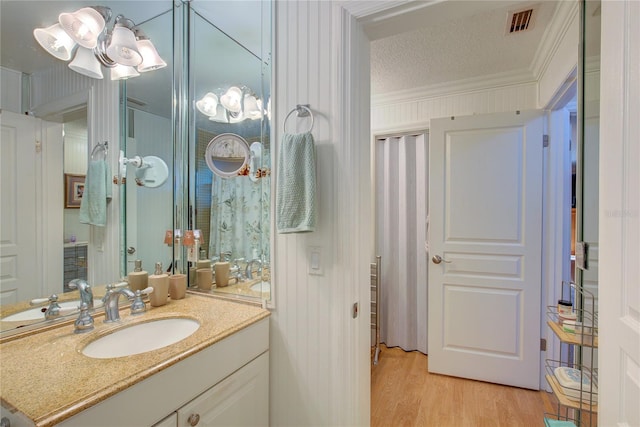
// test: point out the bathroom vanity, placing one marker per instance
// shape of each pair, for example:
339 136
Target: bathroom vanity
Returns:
218 375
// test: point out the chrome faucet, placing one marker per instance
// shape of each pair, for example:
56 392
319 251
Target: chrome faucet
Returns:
86 294
111 297
249 272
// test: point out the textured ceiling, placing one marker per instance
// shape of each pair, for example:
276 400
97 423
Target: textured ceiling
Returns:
456 48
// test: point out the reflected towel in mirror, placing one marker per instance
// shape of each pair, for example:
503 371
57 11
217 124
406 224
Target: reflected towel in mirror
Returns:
296 185
93 206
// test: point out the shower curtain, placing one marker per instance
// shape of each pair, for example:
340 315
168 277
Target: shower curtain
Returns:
237 224
401 232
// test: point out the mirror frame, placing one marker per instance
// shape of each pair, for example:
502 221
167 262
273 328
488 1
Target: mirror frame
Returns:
213 161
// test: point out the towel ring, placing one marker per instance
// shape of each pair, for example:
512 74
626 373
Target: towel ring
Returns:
104 146
303 111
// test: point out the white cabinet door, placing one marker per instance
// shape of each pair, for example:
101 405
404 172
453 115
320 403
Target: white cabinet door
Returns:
170 421
241 399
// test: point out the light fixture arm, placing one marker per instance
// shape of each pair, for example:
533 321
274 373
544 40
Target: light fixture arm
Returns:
104 11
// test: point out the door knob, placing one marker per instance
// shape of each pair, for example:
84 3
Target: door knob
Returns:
131 250
437 259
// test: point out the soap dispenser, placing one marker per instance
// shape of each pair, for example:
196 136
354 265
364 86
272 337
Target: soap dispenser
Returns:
138 278
159 281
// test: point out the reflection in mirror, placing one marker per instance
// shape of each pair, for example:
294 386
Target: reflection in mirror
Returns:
231 107
48 100
587 185
227 155
148 125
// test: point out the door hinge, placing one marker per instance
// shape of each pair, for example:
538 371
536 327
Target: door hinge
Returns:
543 344
38 146
545 141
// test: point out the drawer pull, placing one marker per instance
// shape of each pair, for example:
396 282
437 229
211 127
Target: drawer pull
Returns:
194 419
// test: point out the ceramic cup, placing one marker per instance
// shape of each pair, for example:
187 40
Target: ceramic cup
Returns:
160 292
177 286
205 278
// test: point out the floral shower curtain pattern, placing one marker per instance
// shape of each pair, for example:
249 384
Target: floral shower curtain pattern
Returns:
237 217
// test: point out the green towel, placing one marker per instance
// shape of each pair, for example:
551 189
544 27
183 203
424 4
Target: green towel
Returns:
296 185
97 190
558 423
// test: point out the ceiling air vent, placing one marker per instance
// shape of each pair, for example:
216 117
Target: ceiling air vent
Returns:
518 22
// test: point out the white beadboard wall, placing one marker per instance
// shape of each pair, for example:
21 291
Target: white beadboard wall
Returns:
59 82
319 354
415 114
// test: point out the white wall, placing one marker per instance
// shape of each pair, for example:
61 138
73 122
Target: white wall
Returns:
319 354
10 90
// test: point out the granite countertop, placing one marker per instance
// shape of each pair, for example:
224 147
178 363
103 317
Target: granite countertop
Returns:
46 377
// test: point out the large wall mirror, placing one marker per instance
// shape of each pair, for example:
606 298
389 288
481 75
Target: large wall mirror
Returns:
152 115
588 151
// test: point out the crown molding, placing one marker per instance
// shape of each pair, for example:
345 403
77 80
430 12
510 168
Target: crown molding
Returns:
474 84
552 39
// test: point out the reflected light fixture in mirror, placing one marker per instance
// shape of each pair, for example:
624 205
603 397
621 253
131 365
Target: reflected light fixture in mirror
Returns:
236 104
87 29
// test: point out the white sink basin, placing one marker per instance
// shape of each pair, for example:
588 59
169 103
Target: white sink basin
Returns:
141 338
261 287
37 313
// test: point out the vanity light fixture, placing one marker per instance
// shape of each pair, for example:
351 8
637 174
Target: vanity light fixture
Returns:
123 48
55 40
150 58
123 72
85 25
120 48
208 105
234 105
86 63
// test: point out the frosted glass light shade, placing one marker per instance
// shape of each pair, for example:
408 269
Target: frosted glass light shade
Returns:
86 63
123 47
83 26
150 58
208 104
55 40
252 107
123 72
232 99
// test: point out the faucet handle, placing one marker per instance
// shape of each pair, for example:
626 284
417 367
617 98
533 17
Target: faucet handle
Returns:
39 301
138 306
84 322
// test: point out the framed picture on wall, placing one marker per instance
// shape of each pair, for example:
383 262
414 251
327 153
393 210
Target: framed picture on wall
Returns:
73 190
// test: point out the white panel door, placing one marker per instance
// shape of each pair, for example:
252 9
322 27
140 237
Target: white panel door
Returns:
619 270
18 272
485 199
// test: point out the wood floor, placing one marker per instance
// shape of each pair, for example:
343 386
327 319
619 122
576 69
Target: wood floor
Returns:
403 393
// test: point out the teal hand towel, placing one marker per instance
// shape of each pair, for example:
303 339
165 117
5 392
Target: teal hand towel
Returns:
93 206
296 184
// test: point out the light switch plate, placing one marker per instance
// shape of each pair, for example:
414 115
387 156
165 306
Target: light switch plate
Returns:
314 261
